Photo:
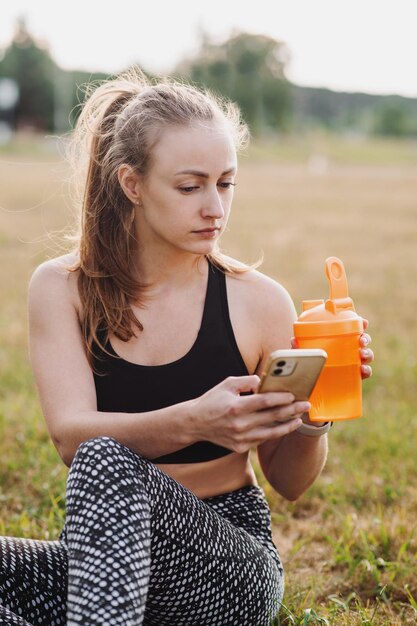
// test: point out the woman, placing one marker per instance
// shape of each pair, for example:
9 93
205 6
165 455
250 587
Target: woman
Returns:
147 344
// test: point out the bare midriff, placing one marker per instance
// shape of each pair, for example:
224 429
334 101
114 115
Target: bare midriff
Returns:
213 478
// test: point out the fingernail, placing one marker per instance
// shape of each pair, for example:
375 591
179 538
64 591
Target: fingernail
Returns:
305 406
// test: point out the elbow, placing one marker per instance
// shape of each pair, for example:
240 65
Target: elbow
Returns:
66 437
65 451
292 492
292 496
67 458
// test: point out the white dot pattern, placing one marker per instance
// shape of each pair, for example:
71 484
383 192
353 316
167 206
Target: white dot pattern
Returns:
142 549
33 582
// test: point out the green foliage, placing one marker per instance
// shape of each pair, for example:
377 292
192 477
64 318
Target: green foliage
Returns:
361 113
393 120
250 70
48 95
33 69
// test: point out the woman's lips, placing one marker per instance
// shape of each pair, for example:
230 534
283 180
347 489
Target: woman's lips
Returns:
207 232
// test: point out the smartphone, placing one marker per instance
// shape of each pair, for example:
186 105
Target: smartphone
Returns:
295 371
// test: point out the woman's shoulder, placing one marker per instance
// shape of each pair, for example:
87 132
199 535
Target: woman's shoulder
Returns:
257 288
267 311
56 277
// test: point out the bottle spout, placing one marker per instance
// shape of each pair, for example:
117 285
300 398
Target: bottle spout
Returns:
339 293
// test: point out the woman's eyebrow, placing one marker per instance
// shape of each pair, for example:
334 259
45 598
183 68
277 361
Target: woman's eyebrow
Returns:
204 174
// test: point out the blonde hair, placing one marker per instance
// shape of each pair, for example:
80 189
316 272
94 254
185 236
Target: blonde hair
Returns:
119 124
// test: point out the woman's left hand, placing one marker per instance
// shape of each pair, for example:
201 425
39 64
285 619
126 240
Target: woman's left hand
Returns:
367 356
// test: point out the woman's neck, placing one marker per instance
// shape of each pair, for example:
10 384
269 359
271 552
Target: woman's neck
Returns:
159 272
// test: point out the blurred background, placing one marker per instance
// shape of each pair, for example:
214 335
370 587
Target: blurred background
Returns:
292 66
329 90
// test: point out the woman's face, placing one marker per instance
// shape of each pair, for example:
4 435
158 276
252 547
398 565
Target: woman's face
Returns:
186 195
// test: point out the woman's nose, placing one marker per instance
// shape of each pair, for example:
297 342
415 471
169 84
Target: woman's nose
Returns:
213 206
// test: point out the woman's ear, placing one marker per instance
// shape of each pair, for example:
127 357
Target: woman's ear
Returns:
130 182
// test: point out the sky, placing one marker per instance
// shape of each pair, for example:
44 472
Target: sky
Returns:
345 45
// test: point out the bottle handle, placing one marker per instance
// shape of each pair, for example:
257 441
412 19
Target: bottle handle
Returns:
335 272
339 294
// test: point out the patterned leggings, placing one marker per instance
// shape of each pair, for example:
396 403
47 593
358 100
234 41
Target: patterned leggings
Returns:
139 548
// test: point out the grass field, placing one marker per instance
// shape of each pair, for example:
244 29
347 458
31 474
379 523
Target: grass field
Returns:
350 543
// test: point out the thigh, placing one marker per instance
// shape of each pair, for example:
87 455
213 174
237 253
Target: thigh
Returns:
220 569
212 562
33 580
8 618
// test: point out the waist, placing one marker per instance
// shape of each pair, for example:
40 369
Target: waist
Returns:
215 477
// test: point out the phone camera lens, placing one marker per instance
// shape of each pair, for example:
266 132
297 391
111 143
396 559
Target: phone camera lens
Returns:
281 363
277 371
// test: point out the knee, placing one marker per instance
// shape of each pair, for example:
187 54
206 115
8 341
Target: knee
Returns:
97 448
101 461
106 451
93 459
96 445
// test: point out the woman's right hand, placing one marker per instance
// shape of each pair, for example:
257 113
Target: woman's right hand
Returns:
239 423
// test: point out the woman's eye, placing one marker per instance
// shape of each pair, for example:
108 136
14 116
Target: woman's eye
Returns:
226 185
188 189
191 188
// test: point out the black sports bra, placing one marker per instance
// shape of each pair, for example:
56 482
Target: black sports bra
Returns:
132 388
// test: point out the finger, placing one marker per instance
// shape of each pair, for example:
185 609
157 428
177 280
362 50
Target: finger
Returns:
240 384
365 323
282 414
366 371
273 417
365 339
294 343
260 435
263 402
367 356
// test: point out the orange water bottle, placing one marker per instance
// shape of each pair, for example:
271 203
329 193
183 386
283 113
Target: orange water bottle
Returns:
334 326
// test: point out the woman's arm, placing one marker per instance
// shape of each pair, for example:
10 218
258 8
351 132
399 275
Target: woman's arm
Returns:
293 462
65 380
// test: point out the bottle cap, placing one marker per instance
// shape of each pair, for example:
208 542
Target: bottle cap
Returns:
335 316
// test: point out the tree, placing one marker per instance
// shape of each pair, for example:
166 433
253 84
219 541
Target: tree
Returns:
249 69
32 67
392 120
49 95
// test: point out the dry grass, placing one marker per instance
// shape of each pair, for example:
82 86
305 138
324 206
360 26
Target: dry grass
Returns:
349 545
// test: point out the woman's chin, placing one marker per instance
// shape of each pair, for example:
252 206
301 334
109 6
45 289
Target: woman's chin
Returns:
203 247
